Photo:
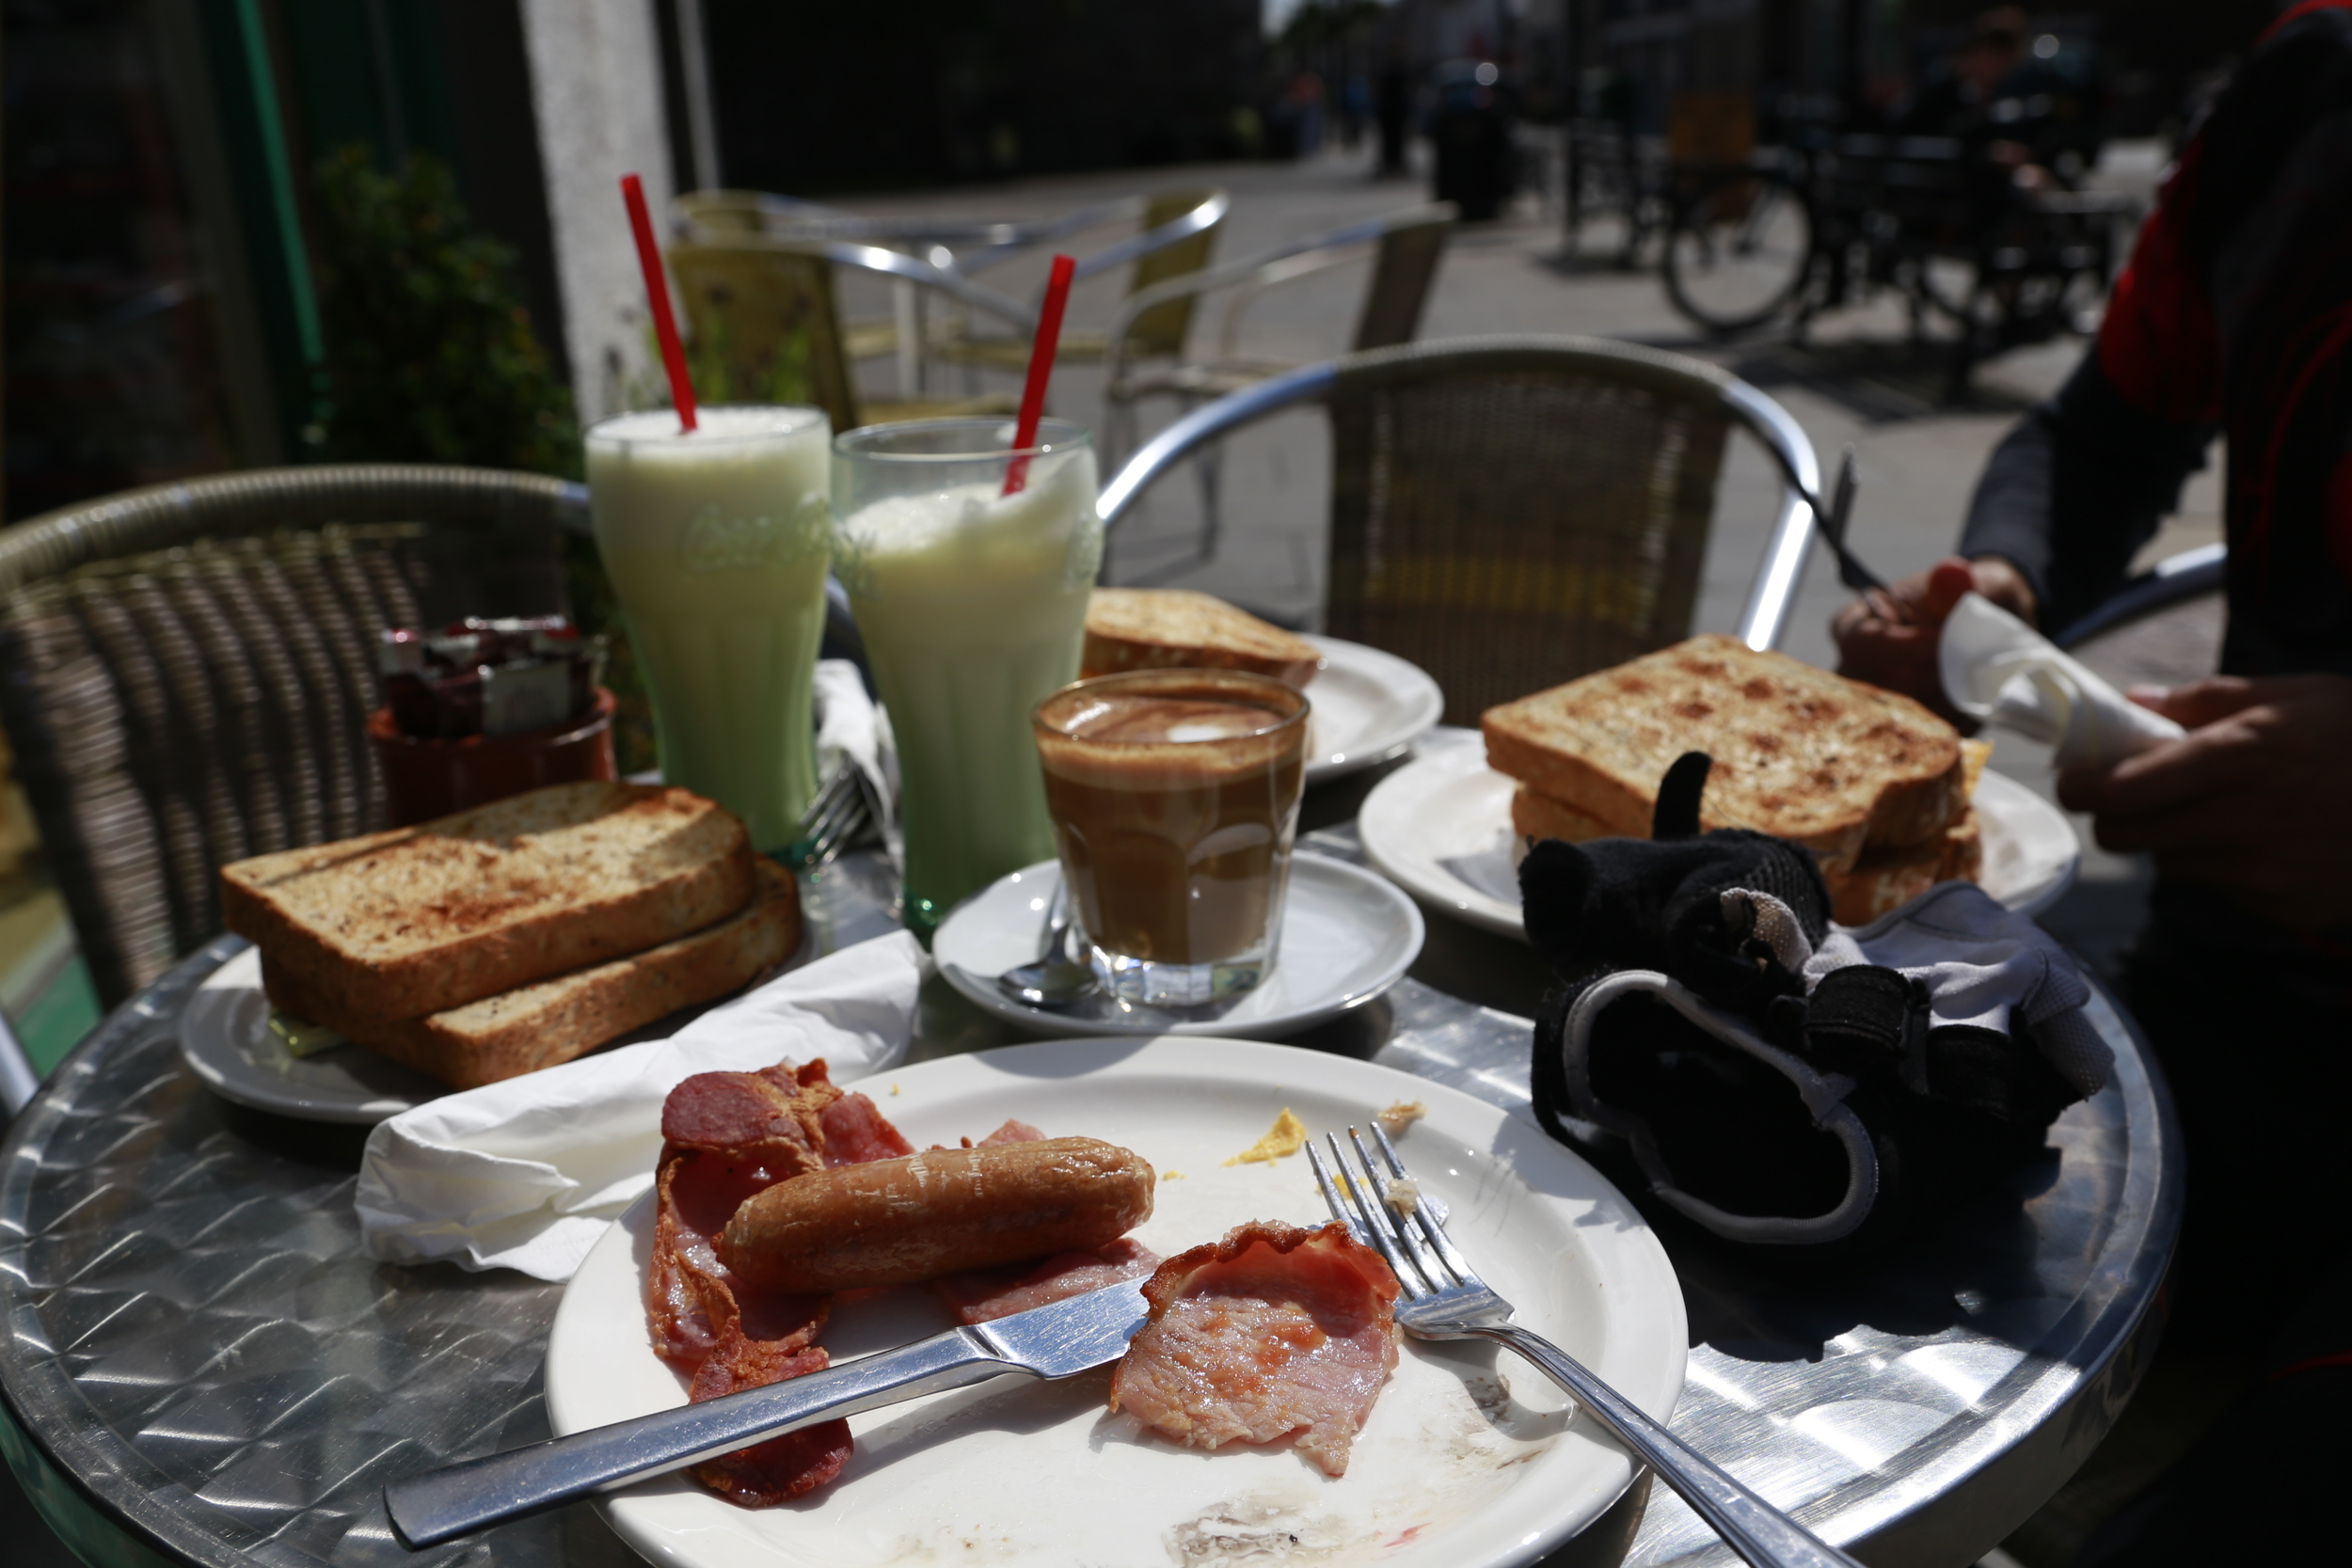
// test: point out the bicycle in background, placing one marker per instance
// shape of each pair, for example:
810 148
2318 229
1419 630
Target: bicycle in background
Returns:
1833 219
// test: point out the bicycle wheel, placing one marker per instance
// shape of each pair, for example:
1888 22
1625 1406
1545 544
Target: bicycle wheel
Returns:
1739 249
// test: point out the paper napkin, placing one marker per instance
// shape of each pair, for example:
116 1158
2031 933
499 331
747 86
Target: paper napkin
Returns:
853 728
526 1173
2000 671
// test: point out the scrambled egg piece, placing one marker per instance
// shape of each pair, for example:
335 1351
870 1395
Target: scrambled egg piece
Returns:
1287 1138
1405 1196
1171 1175
1397 1118
894 1088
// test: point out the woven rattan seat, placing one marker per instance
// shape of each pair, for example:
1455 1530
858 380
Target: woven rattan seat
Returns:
1512 513
187 669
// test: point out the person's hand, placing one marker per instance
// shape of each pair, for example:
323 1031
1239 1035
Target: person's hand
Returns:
1889 639
2255 801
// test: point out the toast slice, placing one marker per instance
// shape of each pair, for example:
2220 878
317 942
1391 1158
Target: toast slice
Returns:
1880 881
1800 754
1153 628
538 1025
423 919
1884 880
1540 816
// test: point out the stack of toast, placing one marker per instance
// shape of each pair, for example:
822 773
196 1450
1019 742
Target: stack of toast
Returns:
1157 628
1875 785
520 934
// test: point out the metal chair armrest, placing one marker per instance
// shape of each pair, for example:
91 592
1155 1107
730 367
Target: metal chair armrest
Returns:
2184 575
1289 270
892 263
1230 273
1210 212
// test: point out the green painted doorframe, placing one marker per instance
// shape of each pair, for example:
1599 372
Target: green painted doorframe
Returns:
261 166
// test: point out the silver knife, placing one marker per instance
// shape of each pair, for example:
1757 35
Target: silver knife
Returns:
1055 1341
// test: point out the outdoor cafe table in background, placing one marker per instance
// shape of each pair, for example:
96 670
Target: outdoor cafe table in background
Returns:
207 1365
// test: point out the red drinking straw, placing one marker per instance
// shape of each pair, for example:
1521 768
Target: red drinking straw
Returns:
1040 369
658 293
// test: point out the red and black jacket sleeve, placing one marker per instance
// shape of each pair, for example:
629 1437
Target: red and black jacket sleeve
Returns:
2080 484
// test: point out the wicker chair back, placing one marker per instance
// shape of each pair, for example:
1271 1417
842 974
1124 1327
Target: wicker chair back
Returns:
1511 519
188 670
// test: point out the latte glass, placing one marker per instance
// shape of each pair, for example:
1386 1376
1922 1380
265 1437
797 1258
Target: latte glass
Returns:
1174 799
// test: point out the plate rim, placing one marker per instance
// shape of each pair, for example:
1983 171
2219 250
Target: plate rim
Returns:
1429 705
981 993
215 1058
1435 765
1624 1227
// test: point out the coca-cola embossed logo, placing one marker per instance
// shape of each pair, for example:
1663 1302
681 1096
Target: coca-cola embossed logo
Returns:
715 541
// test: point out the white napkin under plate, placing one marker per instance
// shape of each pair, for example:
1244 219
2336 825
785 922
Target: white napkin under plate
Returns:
2000 671
852 727
526 1173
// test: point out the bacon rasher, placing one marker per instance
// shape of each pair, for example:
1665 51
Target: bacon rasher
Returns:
1273 1332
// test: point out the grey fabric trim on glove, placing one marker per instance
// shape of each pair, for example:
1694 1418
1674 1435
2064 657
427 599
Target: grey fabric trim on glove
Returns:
1823 1093
1982 965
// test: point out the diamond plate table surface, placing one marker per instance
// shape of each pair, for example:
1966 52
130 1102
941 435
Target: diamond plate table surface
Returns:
192 1333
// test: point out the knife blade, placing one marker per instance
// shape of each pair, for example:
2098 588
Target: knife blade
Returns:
1058 1339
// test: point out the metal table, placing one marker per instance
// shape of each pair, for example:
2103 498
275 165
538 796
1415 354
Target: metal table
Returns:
205 1362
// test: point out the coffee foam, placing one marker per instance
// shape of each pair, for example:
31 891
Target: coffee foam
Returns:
1150 742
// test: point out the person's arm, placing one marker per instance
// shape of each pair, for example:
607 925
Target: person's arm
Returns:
2076 489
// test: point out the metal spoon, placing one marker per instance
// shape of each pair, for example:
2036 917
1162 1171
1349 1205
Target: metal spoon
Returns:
1054 980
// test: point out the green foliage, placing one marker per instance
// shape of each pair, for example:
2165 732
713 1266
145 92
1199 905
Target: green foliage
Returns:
431 359
430 355
720 373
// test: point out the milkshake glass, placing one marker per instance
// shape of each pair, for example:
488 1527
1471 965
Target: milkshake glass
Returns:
717 543
973 605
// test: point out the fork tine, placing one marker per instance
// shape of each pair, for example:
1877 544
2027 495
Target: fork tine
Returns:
1428 1264
1436 1232
1340 1211
1373 1228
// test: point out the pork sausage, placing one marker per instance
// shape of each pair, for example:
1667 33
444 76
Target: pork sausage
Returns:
893 1222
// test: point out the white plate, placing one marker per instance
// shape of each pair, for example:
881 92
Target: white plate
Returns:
1347 935
226 1040
1465 1461
1440 828
1368 707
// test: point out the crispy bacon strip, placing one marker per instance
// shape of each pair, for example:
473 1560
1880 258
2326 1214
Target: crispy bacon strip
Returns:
728 1135
1273 1332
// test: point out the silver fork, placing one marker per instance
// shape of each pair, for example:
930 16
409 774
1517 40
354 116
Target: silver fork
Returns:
840 812
1442 1298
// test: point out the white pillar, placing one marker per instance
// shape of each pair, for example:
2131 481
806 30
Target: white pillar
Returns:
596 93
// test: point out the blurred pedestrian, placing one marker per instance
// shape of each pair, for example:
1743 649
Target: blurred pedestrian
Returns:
1394 107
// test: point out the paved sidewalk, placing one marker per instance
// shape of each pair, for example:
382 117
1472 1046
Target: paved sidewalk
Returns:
1858 384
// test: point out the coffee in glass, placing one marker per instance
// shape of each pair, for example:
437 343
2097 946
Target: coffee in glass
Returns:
1174 798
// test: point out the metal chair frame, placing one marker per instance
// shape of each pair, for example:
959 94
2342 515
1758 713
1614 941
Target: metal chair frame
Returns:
833 369
730 216
1383 323
1149 251
1771 594
2184 575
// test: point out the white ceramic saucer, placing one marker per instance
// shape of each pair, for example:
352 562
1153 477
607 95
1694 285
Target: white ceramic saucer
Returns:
1440 828
1347 935
1368 707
